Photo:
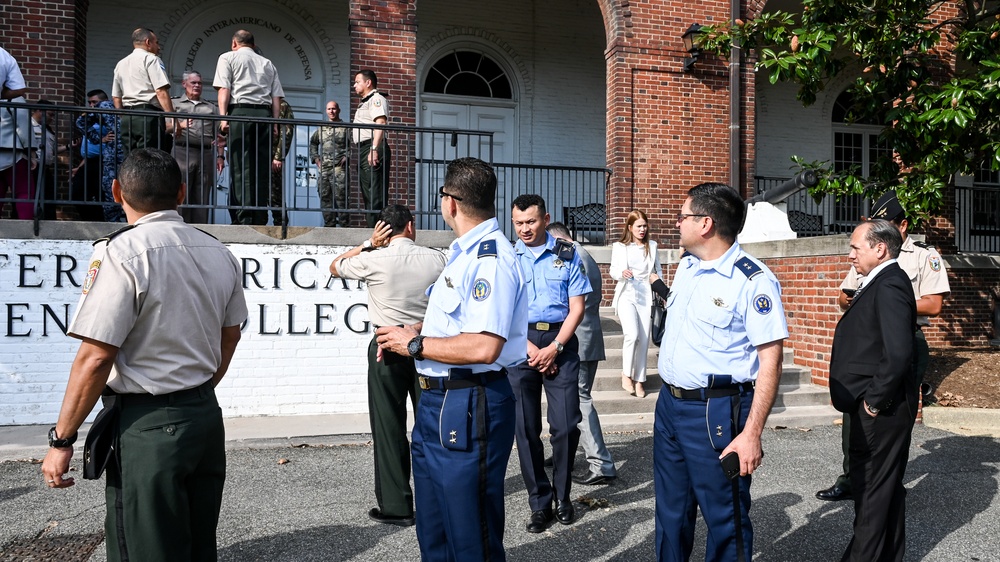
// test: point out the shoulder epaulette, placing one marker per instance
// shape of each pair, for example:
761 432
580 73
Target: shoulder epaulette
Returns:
564 249
115 233
685 254
924 245
748 267
487 248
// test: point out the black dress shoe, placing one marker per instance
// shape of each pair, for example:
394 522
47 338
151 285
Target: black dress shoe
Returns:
375 514
592 478
539 520
565 512
834 493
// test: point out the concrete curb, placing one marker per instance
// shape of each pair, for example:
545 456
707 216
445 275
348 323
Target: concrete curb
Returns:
963 421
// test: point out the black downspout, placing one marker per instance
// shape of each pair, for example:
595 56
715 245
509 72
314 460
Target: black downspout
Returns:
735 55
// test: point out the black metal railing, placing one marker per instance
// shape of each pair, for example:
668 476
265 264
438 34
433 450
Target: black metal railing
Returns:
809 218
977 218
73 155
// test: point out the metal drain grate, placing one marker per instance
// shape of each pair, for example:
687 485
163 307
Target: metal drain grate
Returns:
61 548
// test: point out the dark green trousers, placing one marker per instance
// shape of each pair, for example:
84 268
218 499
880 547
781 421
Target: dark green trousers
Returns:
165 492
390 382
139 131
922 357
250 166
374 181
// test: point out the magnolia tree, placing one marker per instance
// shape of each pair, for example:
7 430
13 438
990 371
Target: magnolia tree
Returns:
927 70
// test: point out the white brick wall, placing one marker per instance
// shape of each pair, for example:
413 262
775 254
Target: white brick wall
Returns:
271 374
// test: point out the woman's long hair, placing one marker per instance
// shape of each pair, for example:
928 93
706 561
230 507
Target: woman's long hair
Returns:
627 237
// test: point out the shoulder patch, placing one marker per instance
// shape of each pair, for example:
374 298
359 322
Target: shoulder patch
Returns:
109 237
487 248
748 267
481 290
935 262
564 250
92 271
762 304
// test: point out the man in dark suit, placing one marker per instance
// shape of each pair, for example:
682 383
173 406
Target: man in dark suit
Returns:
872 381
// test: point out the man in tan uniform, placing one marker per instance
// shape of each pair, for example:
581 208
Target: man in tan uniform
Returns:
165 480
373 150
248 86
927 273
141 83
397 276
328 150
194 143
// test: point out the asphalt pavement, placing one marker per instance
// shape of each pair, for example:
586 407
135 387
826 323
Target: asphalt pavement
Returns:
307 499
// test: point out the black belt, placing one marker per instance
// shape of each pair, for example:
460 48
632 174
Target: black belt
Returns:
544 326
376 326
706 393
249 106
144 106
164 399
460 378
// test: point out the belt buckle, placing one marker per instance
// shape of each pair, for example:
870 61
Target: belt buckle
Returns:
424 382
542 326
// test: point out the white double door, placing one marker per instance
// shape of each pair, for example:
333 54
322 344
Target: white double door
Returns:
435 149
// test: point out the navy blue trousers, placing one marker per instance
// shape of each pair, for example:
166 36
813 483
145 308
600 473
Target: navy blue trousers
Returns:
688 436
562 395
459 494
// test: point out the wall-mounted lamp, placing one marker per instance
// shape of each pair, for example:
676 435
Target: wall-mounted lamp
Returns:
692 43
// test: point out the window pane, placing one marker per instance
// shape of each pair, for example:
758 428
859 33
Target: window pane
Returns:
468 84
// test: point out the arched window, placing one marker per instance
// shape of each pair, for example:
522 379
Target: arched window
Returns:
842 111
468 73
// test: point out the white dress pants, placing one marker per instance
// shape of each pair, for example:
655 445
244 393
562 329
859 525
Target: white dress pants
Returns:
635 327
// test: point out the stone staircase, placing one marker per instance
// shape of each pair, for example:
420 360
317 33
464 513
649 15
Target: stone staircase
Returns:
800 403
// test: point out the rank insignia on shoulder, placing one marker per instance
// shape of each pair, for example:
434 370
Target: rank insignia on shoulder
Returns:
762 304
718 430
748 267
935 262
453 436
109 237
564 249
487 248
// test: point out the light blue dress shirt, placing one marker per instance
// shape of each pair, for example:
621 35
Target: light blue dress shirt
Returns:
717 315
481 289
551 281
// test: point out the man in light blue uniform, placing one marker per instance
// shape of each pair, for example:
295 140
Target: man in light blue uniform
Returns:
475 330
557 285
720 361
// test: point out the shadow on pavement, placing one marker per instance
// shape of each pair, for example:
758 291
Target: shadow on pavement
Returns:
328 542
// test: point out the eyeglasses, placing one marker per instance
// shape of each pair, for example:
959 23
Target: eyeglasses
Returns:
442 193
681 217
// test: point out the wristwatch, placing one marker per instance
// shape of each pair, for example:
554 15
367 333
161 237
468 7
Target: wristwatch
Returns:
559 347
57 443
367 245
416 348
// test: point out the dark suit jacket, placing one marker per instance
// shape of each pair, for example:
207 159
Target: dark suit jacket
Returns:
872 354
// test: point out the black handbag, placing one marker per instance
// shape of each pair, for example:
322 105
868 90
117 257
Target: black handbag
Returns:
658 321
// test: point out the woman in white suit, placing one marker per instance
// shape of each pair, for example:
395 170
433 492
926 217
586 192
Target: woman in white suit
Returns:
633 262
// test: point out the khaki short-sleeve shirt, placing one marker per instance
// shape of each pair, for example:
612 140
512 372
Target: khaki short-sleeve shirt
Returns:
372 107
137 77
161 292
201 131
249 77
398 277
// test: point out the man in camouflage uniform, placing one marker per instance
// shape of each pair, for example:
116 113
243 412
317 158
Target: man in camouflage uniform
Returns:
328 150
279 151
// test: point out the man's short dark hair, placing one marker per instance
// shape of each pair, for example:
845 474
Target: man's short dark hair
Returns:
370 76
883 231
475 183
527 201
99 93
723 204
244 37
150 179
140 35
559 230
396 216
